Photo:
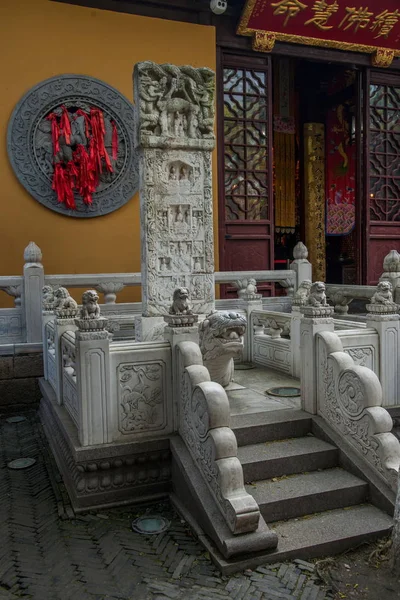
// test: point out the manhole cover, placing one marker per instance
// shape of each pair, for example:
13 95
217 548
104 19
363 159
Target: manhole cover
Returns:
21 463
244 367
150 525
284 392
15 419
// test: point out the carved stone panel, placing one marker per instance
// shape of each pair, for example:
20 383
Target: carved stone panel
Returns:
141 397
176 221
30 144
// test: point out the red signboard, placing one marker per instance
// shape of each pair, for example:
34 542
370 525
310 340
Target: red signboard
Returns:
371 26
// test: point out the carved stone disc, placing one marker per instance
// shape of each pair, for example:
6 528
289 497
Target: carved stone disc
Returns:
29 142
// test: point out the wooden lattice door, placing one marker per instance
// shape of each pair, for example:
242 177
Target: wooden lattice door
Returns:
383 171
245 165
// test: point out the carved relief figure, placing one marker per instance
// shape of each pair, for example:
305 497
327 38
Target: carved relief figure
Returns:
221 339
181 304
383 294
197 264
176 101
317 295
90 307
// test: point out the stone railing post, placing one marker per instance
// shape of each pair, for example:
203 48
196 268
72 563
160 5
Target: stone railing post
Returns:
32 296
391 272
93 380
384 318
179 328
64 322
249 300
317 317
300 264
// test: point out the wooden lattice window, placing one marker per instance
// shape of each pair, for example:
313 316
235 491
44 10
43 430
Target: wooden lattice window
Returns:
384 154
246 139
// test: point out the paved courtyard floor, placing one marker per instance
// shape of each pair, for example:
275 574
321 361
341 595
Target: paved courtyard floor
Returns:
48 553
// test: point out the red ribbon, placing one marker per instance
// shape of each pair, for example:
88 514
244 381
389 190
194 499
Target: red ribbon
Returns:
63 185
65 125
114 140
82 172
81 113
55 133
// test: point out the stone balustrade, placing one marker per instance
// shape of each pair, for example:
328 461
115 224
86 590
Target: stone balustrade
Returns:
349 397
342 295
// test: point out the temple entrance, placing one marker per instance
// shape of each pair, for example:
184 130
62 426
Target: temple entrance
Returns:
308 151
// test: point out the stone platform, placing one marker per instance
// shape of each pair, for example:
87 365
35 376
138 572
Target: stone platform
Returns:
49 552
107 474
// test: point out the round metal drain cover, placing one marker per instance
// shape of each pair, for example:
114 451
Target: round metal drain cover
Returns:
244 367
15 419
21 463
284 392
150 525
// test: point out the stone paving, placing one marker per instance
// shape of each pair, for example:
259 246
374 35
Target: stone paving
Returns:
47 552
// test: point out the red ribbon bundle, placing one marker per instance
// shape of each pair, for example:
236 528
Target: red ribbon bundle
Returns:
83 171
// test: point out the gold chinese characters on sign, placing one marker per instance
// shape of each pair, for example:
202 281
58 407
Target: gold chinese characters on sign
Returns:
371 26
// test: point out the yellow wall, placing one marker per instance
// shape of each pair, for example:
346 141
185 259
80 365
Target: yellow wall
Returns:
41 39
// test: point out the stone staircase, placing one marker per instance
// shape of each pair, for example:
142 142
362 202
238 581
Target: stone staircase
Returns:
296 476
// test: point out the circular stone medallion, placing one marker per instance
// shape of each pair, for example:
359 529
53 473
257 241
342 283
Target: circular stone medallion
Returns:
30 142
150 525
21 463
284 392
15 419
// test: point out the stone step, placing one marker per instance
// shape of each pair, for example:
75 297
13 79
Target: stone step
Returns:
268 426
286 457
323 534
330 532
308 493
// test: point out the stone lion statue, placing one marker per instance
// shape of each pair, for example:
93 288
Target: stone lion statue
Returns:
383 294
221 339
303 292
63 300
48 297
317 295
180 303
90 307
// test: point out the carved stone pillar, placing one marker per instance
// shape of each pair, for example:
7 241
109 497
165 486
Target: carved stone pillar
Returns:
385 319
33 285
314 196
300 264
175 119
315 320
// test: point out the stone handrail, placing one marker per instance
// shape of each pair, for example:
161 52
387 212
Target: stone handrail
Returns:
349 397
342 295
277 323
204 426
286 278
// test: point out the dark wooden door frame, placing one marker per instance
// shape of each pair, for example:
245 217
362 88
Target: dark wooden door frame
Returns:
248 60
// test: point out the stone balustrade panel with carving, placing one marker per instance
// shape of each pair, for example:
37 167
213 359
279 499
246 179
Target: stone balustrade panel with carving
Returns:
363 347
50 354
204 415
349 397
69 388
270 340
340 296
142 401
